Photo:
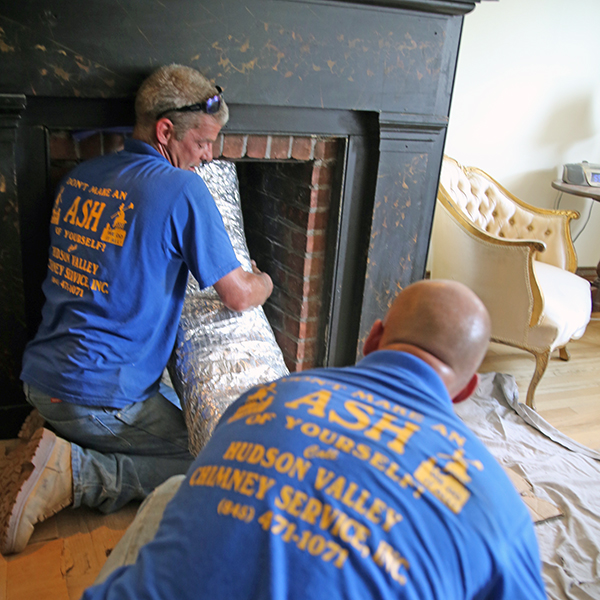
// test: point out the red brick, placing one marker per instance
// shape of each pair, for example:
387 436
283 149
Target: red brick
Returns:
294 285
302 148
277 299
300 350
302 329
280 146
310 329
318 219
304 365
275 317
62 146
288 345
295 262
277 254
273 229
290 360
292 325
325 149
233 146
308 309
113 142
295 306
279 277
58 171
296 241
305 352
320 198
257 146
312 307
91 146
307 242
313 287
218 146
316 242
313 266
297 216
310 349
293 366
321 175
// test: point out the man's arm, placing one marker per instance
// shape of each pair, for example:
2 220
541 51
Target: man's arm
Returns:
240 290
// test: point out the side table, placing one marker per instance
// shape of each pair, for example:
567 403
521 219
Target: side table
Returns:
584 191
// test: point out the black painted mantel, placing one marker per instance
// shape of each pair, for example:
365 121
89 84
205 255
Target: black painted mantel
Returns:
379 73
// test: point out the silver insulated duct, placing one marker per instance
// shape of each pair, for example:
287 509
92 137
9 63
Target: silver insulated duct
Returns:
220 353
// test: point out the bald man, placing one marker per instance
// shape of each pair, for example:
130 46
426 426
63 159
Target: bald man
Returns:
356 482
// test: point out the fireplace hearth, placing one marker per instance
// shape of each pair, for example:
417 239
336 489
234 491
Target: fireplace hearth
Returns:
369 82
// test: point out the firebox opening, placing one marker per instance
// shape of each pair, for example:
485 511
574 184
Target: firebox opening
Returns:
286 208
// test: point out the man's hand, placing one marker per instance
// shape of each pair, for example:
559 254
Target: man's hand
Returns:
240 290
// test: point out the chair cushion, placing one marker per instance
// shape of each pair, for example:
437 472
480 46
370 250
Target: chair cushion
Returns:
567 302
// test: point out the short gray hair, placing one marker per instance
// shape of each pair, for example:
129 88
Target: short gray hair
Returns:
174 86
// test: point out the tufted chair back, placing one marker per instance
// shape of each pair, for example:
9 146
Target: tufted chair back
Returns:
491 208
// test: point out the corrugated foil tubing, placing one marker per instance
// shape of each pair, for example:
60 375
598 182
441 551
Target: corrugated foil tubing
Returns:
220 353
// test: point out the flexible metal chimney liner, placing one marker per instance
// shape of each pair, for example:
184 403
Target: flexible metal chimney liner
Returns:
220 353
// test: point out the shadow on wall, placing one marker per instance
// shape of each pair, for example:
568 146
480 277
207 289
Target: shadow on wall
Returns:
567 125
533 187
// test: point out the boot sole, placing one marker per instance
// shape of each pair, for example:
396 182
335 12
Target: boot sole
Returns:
31 424
20 473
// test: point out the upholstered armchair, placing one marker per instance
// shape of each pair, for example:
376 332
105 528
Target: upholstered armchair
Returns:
517 258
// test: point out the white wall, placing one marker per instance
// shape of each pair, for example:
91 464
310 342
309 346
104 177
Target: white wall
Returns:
527 100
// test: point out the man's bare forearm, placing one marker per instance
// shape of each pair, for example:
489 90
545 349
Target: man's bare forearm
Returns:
240 290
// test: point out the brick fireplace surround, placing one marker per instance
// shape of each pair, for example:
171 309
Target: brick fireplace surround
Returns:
286 187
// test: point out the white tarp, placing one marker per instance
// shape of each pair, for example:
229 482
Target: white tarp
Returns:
560 471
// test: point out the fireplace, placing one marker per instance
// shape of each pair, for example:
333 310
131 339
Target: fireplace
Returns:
349 99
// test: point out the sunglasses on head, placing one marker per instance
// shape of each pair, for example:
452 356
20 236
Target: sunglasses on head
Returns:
209 106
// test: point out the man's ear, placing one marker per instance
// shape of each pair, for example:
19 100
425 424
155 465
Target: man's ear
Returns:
467 390
163 130
374 337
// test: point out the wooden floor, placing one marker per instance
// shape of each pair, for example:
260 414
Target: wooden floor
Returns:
67 551
568 395
64 555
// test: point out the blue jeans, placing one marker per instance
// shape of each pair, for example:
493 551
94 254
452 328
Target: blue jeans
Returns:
118 454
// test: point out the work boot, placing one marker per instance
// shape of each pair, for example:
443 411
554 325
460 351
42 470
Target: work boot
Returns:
37 482
31 424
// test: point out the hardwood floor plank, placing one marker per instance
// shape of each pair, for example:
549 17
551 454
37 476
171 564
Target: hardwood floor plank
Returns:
3 578
108 529
65 554
36 573
80 560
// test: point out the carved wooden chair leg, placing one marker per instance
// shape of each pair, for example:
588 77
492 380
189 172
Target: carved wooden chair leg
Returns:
564 353
541 362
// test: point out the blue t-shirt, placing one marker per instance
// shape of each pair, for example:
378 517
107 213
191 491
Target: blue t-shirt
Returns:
341 483
125 229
